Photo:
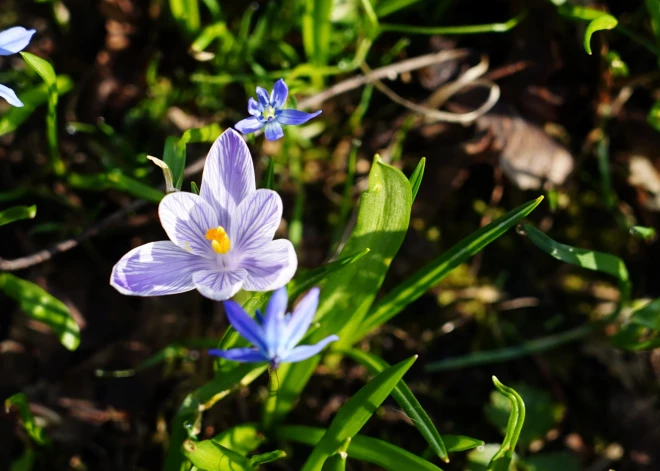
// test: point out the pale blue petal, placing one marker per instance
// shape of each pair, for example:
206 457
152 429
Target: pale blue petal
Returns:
255 221
274 131
294 117
186 217
228 175
9 95
274 324
304 352
254 108
219 285
279 95
301 318
14 40
243 355
156 269
262 96
249 125
271 268
245 325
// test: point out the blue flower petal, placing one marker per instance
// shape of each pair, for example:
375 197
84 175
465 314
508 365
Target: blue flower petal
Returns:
245 325
14 40
274 131
280 94
9 95
295 117
304 352
301 318
247 355
254 108
274 324
263 97
249 125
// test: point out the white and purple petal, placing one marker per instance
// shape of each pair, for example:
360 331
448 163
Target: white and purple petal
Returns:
273 131
245 325
14 40
272 267
304 352
9 95
156 269
301 318
295 117
219 285
255 221
186 217
249 125
254 108
243 355
228 175
262 96
280 94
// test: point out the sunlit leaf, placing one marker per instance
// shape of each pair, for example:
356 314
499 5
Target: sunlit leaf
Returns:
115 180
186 14
41 306
210 456
502 458
20 403
416 177
243 439
603 22
17 213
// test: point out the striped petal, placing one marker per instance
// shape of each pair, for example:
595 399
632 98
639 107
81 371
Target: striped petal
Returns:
219 285
272 267
255 221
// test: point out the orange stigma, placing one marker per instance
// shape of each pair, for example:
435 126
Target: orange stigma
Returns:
219 239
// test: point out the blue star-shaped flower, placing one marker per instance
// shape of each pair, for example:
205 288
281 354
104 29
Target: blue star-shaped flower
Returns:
13 40
268 112
276 334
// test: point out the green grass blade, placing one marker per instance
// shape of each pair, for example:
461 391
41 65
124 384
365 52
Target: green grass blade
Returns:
317 29
467 29
589 259
269 175
371 450
416 285
352 416
20 402
406 399
17 213
45 70
603 22
41 306
243 439
416 177
461 442
387 7
115 180
268 457
501 460
186 14
174 156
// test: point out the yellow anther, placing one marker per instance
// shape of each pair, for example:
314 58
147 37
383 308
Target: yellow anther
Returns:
219 239
268 113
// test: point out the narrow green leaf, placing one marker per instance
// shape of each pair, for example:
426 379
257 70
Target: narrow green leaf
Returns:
355 412
41 67
115 180
371 450
406 399
41 306
387 7
174 156
210 456
317 28
269 175
17 213
589 259
194 188
433 272
20 402
466 29
646 233
336 462
501 460
186 14
269 457
603 22
416 177
456 443
25 462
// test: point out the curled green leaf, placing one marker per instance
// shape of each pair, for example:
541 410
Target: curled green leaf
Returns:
603 22
501 460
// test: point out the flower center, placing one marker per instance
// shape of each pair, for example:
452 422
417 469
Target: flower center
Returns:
268 113
219 239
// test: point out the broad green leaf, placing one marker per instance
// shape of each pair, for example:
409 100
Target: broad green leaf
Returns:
406 399
589 259
174 157
17 213
115 180
646 233
603 22
501 460
20 402
316 31
243 439
416 177
32 98
371 450
648 315
41 306
552 461
542 413
383 217
456 443
210 456
186 14
433 272
336 462
45 70
355 412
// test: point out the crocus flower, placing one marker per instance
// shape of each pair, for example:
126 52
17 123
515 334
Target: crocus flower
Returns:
220 240
276 334
268 112
13 40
